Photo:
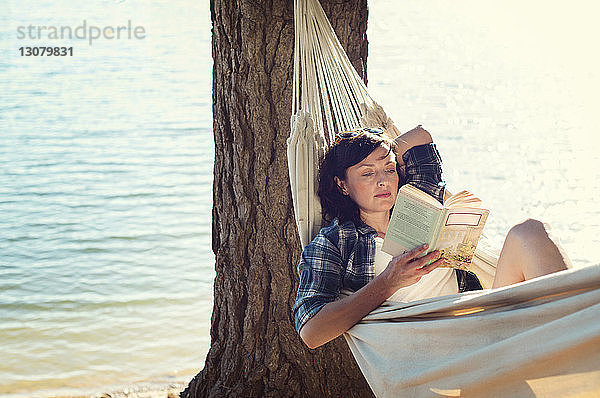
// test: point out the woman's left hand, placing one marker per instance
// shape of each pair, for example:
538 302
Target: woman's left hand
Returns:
415 137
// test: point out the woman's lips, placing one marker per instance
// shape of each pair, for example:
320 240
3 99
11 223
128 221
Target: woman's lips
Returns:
383 195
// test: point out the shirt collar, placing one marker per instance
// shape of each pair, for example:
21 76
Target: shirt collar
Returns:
365 229
361 227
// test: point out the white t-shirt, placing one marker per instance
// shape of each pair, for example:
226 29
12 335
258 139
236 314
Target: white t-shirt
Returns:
439 282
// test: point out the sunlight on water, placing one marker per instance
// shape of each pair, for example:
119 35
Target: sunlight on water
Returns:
509 100
106 267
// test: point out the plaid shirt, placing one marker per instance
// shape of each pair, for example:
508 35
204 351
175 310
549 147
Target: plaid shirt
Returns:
423 169
342 256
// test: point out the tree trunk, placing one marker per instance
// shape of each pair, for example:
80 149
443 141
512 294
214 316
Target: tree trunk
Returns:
255 350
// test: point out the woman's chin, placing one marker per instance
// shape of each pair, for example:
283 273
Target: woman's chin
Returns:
387 203
380 208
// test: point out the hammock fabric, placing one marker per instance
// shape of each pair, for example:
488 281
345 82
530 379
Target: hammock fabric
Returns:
537 338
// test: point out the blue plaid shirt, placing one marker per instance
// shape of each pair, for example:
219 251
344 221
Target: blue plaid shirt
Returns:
342 256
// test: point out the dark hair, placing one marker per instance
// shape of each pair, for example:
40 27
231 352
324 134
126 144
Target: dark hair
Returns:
341 155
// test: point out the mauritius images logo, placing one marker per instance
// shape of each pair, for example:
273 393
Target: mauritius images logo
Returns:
82 32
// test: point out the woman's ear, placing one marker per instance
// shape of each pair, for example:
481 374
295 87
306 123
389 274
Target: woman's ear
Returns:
341 185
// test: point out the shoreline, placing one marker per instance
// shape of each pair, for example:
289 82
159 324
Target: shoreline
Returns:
167 386
137 390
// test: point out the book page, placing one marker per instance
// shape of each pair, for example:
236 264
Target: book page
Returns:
420 196
412 224
463 198
460 234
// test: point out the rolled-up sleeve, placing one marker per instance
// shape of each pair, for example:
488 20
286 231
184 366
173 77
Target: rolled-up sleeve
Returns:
321 272
424 170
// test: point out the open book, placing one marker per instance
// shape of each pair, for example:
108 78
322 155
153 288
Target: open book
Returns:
453 228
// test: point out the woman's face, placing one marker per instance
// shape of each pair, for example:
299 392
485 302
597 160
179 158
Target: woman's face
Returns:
373 182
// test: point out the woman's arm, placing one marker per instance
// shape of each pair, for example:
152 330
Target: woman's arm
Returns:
421 164
415 137
338 316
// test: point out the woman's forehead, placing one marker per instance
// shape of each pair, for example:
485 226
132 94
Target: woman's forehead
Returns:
381 154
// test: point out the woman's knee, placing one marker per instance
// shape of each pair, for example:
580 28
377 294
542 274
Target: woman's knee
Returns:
528 229
536 244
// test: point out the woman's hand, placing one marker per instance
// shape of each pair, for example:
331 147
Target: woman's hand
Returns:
415 137
340 315
408 268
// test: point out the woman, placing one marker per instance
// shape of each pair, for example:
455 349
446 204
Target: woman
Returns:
358 185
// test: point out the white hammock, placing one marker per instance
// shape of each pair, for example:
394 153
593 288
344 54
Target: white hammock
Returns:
539 338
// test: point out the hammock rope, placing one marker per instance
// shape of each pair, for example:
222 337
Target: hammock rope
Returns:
326 85
328 97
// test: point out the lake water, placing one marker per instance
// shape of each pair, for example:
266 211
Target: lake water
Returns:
106 266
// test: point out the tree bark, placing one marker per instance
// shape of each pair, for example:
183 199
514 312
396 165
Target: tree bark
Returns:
255 350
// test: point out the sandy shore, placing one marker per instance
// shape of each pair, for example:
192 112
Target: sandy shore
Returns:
158 388
171 390
166 391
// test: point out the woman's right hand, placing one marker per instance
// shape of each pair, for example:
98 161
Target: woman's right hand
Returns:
408 268
338 316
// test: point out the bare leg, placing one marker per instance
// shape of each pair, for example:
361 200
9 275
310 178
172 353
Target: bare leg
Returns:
529 252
